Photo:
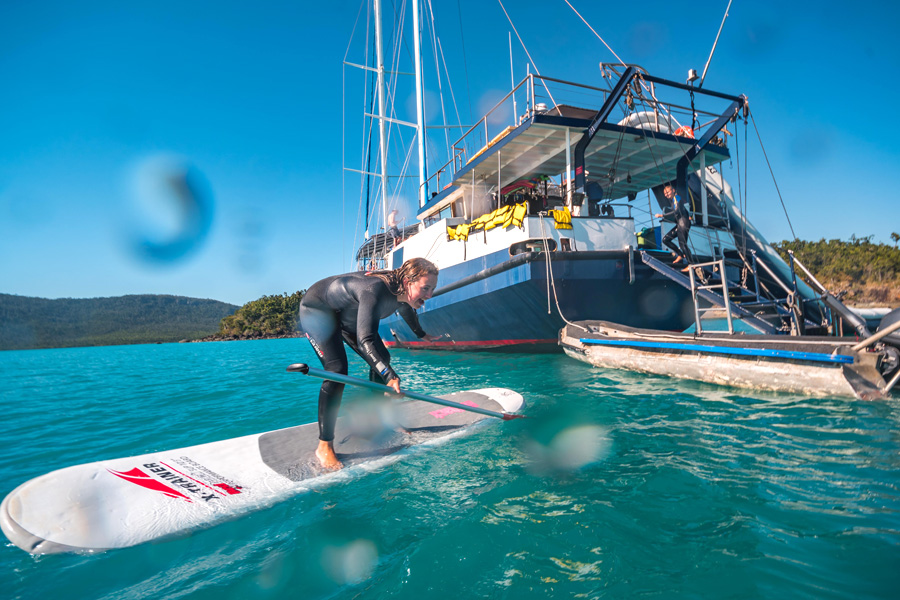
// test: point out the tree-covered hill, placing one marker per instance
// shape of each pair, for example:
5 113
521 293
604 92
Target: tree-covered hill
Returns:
270 316
41 323
865 273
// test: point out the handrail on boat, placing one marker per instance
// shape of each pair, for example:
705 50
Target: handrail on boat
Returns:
459 151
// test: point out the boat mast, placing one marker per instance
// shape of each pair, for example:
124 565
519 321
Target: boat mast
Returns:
382 145
420 111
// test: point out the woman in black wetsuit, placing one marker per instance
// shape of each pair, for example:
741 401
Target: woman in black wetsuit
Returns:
682 227
348 308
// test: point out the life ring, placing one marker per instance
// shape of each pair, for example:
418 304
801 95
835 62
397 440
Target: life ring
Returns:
685 131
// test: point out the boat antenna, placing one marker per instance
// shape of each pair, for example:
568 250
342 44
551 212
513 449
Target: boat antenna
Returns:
705 68
381 111
420 111
512 79
531 60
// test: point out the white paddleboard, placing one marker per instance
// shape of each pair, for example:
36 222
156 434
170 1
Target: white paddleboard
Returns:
127 501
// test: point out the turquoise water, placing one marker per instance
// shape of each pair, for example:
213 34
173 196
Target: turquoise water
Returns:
619 485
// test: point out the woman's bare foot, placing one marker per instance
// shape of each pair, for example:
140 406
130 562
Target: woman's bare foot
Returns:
676 260
327 457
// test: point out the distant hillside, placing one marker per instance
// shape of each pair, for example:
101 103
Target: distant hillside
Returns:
863 273
40 323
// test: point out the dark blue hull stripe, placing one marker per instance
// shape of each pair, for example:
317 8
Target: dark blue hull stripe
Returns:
506 301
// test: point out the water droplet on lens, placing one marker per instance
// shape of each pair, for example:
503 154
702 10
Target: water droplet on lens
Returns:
174 203
350 563
569 449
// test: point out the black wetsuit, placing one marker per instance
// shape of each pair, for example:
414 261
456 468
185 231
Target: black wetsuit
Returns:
681 229
347 308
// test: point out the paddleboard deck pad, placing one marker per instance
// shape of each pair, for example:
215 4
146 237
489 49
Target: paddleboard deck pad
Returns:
123 502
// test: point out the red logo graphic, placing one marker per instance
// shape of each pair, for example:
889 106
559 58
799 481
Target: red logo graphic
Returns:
140 478
228 488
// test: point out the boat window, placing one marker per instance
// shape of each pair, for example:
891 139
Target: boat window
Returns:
534 245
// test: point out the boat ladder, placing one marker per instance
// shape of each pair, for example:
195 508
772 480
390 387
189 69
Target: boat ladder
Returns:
702 284
707 293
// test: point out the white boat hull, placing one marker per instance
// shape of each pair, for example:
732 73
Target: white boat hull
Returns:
859 379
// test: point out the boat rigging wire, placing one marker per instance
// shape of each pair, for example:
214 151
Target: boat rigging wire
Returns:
452 95
435 42
595 33
656 161
715 43
353 31
741 201
746 174
344 136
465 60
344 139
364 182
766 156
531 60
368 160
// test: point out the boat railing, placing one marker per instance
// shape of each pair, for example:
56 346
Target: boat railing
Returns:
374 251
759 300
744 300
828 303
459 152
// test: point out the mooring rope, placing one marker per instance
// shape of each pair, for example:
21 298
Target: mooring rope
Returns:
551 281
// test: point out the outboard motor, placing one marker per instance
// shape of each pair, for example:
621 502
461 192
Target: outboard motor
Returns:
888 320
891 362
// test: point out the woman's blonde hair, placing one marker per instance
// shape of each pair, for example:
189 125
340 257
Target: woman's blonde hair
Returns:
410 270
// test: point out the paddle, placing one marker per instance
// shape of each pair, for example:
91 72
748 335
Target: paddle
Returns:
307 370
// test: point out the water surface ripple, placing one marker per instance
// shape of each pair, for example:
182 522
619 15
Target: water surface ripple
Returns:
619 485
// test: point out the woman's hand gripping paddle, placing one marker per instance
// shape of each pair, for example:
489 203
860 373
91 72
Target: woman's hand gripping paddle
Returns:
322 374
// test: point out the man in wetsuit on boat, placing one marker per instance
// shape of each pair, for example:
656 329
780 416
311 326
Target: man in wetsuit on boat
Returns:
682 226
347 308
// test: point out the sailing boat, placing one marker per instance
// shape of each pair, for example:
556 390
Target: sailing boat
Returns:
535 220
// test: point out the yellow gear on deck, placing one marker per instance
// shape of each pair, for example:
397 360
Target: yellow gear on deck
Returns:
562 217
505 216
519 212
460 232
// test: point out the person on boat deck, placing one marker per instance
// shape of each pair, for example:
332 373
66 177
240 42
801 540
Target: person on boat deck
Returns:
682 226
347 309
392 221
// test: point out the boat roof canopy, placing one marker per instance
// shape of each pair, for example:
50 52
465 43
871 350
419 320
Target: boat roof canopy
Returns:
642 157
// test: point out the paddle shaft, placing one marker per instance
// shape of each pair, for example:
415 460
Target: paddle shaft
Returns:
322 374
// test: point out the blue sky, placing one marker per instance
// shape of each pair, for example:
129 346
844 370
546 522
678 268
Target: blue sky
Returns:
103 101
